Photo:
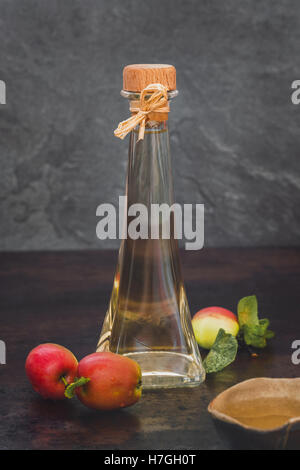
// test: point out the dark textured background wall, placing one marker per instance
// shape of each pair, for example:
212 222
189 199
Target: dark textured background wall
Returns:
235 135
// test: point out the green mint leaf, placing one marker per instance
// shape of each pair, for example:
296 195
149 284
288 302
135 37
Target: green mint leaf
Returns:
222 353
253 331
269 334
263 325
248 311
253 336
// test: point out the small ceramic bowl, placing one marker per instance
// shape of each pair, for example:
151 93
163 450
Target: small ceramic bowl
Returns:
260 413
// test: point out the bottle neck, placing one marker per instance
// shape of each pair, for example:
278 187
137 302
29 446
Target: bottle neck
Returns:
149 177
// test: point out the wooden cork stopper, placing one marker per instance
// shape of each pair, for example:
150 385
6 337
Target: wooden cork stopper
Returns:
137 76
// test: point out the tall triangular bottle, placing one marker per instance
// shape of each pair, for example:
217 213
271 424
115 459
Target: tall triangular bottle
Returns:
148 317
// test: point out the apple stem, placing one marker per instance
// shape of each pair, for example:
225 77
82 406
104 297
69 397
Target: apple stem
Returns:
70 390
252 352
63 379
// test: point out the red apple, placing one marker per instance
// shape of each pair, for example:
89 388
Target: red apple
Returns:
50 368
114 381
207 322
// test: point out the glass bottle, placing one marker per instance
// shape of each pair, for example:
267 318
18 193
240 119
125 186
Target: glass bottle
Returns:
148 317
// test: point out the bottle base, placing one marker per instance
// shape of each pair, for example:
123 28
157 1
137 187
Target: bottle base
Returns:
168 369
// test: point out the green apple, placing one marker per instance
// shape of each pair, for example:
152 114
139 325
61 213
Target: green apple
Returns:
208 321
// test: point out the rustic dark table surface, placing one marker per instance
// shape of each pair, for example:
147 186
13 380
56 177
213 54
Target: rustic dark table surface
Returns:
62 298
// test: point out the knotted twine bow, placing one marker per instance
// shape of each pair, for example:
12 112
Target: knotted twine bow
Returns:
157 101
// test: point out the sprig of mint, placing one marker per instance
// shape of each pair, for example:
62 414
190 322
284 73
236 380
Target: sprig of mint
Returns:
253 331
222 353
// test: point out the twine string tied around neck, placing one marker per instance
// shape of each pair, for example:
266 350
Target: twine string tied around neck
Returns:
153 98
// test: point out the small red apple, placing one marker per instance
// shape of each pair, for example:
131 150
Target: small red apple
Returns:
50 367
207 322
112 381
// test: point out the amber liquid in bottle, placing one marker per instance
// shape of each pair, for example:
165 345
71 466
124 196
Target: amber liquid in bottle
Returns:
148 318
